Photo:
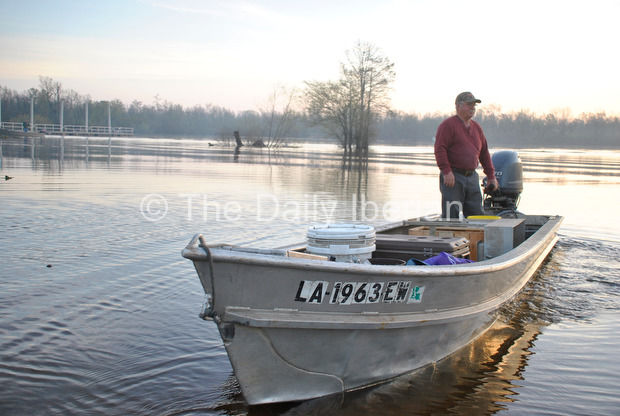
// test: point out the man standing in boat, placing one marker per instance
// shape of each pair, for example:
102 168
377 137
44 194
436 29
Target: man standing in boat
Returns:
459 145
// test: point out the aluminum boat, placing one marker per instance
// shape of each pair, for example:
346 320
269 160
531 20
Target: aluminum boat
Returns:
297 328
299 325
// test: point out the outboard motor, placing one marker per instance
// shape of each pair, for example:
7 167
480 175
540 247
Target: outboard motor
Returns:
509 173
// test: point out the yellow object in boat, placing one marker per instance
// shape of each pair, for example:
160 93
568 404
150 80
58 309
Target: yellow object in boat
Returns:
484 217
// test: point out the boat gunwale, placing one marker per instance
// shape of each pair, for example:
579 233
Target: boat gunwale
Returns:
289 318
276 257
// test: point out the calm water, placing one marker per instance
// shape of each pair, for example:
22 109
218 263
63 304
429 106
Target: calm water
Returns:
98 310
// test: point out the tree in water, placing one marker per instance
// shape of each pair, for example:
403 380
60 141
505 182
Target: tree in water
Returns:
350 107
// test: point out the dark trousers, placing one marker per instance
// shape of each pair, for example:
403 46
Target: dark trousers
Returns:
465 195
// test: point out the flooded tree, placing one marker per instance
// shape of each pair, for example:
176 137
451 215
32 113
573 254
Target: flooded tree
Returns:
278 117
350 107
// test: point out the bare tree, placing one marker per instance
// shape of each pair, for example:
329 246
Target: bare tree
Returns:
50 93
331 105
279 117
349 107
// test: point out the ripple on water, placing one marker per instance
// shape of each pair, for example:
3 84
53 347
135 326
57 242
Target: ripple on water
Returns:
574 366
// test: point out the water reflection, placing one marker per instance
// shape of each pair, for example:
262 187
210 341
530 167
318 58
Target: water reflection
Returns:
547 166
56 153
393 183
564 166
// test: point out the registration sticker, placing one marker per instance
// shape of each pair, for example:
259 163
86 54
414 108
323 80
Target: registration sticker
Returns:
416 294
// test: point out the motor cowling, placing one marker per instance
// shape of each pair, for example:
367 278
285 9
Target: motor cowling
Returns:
509 174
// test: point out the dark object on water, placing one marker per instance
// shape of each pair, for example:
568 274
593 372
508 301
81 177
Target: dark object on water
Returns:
48 266
238 139
7 177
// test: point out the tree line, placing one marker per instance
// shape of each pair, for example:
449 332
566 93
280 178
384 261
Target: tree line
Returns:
517 129
360 120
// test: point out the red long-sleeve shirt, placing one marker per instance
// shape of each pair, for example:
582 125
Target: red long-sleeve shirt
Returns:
460 147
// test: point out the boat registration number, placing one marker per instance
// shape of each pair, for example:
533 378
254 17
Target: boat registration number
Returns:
354 293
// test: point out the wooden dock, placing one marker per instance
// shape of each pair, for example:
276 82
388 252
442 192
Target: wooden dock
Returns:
11 134
69 130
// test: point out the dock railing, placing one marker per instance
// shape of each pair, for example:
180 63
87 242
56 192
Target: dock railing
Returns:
70 130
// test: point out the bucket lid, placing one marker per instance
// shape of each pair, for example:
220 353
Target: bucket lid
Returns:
341 231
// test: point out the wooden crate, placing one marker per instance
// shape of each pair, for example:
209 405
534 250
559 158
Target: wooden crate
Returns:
473 235
420 230
299 254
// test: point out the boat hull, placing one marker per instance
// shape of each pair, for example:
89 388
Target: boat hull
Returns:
282 364
296 329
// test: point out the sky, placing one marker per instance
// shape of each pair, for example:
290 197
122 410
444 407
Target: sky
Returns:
542 56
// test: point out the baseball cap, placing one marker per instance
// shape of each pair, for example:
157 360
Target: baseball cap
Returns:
466 97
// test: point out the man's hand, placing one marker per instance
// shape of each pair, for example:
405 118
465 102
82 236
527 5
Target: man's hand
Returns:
492 184
449 180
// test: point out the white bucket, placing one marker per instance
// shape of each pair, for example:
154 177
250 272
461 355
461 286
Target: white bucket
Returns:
353 243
